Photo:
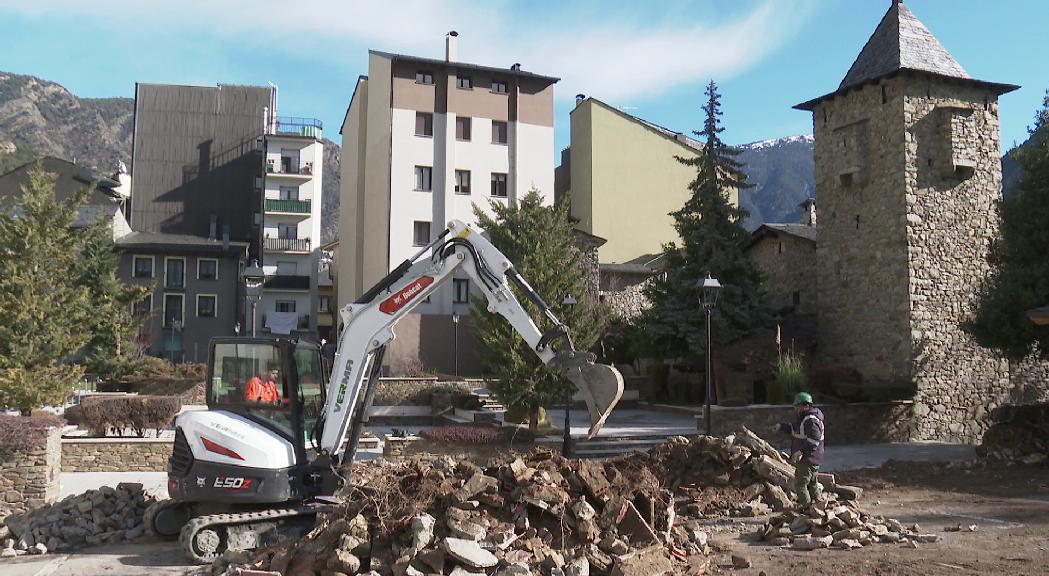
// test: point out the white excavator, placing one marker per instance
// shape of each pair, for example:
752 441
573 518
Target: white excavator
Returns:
269 452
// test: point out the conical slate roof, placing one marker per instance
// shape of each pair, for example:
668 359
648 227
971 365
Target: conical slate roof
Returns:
901 42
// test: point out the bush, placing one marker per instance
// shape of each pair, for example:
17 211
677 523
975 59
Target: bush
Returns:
477 434
136 413
24 433
788 378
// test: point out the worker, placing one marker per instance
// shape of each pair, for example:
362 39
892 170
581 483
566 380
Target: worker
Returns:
807 435
264 390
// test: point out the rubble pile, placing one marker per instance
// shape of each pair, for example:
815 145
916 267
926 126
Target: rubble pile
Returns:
1019 434
843 525
104 516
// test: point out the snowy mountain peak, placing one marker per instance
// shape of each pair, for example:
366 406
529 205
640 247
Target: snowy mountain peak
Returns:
804 139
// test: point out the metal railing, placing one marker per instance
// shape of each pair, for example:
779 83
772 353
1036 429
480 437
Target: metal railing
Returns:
310 127
294 206
303 169
287 244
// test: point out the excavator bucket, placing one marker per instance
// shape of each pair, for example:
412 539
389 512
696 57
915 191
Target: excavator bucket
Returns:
600 384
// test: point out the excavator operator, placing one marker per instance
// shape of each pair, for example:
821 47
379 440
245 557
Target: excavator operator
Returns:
264 391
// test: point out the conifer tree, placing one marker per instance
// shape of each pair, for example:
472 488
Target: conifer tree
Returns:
43 311
111 352
1019 277
540 242
712 239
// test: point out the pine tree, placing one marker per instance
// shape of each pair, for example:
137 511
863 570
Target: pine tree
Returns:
712 239
111 353
1019 277
539 241
43 312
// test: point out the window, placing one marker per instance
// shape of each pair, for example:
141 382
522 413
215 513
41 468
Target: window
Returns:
173 309
288 231
421 233
424 77
235 365
461 289
423 178
310 370
143 267
464 82
499 86
206 305
499 132
498 185
462 181
462 128
289 192
285 306
324 304
423 124
207 269
143 306
287 268
779 247
174 273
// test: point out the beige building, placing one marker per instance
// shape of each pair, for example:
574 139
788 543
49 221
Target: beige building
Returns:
624 179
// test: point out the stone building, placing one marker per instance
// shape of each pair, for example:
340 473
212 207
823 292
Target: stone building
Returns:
907 173
786 255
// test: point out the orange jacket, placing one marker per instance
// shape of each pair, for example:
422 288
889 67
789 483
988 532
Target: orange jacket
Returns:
259 391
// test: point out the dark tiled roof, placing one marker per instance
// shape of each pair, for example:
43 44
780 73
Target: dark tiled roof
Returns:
467 66
803 231
900 42
644 264
178 243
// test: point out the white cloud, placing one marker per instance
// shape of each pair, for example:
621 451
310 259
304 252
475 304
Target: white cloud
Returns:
607 56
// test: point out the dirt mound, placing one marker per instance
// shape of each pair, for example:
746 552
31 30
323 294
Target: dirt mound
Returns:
1019 433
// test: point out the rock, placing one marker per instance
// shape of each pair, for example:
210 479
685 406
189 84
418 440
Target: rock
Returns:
811 543
38 548
927 538
652 561
740 561
776 497
422 533
890 537
848 544
433 559
469 553
634 527
910 544
344 561
460 571
84 506
514 570
477 483
847 492
467 529
8 553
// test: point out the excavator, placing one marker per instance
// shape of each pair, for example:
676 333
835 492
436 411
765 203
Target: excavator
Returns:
271 450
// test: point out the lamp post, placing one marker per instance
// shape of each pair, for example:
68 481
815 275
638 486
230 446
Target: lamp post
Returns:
708 298
253 278
566 444
455 323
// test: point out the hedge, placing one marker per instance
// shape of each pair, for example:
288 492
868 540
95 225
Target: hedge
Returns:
24 433
136 413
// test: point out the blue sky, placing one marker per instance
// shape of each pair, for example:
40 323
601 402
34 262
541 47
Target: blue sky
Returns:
651 59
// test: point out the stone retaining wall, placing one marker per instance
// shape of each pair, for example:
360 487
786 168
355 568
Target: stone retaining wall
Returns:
116 454
846 423
29 479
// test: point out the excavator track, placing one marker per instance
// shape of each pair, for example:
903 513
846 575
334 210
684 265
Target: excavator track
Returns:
205 538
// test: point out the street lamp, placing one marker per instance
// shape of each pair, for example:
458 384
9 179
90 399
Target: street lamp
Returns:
455 322
708 298
566 443
253 278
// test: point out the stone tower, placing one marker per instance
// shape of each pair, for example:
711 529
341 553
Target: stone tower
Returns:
908 167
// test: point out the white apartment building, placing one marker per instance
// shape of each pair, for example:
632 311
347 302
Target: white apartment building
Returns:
291 226
423 141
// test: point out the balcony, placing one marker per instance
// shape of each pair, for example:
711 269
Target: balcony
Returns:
302 322
289 206
287 244
287 283
294 126
290 167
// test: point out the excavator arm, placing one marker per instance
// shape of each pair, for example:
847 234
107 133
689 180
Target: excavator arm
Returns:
368 327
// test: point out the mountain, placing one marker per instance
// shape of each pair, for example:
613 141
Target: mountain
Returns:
42 118
783 174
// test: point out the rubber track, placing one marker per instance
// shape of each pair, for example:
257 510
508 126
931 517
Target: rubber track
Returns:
221 521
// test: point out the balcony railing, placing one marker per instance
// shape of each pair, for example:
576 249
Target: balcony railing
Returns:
280 282
310 127
293 206
292 168
302 323
287 244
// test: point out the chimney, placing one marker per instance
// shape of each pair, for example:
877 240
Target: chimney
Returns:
451 47
579 99
808 212
516 67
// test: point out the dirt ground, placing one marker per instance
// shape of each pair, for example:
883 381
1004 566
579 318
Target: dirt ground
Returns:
1008 505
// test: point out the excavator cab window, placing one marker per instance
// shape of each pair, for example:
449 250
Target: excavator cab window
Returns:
248 378
310 369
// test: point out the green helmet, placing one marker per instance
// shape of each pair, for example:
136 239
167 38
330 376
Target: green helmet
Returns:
802 398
